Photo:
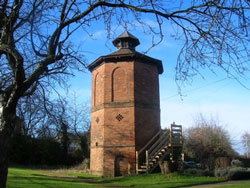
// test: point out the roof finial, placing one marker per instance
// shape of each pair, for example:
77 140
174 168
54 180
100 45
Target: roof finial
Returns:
126 27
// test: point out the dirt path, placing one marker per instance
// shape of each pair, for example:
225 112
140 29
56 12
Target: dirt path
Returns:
228 183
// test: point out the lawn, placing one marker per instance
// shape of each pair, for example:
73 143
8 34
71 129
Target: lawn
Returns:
23 178
158 180
237 184
35 178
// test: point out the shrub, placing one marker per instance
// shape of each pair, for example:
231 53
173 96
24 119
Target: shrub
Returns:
239 175
83 167
236 163
206 141
222 162
26 150
233 173
199 172
245 162
221 172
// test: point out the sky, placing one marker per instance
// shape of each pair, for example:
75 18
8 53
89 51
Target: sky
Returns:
214 96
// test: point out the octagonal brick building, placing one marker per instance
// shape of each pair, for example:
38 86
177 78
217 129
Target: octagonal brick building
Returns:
125 112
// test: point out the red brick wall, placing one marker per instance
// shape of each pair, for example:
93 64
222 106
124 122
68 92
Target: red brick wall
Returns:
119 85
125 114
146 83
97 160
110 155
147 125
147 113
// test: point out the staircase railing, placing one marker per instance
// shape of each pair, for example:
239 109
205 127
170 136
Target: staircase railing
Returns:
143 151
150 149
150 142
155 153
176 135
157 147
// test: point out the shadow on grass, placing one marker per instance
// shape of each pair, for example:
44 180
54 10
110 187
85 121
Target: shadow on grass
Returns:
45 178
89 180
36 179
104 183
40 180
158 180
39 175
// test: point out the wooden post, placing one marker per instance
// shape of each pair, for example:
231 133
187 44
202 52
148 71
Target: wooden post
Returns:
137 162
147 160
170 135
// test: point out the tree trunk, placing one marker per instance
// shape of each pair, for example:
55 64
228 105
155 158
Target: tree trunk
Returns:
4 148
3 170
166 167
7 124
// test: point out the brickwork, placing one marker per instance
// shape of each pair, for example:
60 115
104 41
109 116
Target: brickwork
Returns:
110 155
97 142
147 125
125 111
97 160
147 113
146 83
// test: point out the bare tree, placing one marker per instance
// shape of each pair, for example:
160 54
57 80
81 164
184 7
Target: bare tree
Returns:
32 110
246 142
206 141
36 50
71 123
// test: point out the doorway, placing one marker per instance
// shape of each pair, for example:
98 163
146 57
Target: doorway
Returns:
121 166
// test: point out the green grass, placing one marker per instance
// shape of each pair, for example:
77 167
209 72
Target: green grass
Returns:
35 178
158 180
238 185
23 178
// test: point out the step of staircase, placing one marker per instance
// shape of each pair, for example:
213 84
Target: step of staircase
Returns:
142 170
161 147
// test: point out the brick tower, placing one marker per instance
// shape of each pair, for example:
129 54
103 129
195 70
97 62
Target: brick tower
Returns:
125 112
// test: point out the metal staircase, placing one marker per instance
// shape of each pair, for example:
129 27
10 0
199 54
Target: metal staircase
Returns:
157 148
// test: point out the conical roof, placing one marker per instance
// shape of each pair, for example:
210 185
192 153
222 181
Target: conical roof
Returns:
126 40
126 44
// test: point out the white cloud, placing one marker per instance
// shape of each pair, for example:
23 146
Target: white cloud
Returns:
99 34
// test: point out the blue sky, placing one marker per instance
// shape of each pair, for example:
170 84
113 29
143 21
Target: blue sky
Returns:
214 96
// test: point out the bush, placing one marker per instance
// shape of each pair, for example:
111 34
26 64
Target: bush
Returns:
26 150
206 141
46 151
84 166
221 172
245 162
199 172
236 163
222 162
239 175
233 173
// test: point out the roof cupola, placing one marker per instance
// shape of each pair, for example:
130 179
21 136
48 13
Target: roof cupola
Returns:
126 41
